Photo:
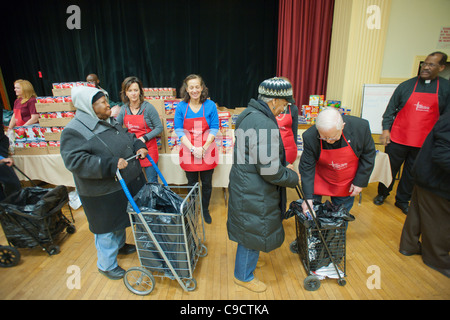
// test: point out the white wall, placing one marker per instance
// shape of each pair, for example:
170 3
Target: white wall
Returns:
413 30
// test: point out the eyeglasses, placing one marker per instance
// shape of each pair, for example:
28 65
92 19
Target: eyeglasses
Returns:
431 65
330 139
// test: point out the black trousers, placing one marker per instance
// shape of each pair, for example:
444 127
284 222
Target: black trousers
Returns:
206 179
400 154
9 183
428 222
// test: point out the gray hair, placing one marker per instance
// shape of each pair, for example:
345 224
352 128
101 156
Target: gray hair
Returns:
329 118
264 98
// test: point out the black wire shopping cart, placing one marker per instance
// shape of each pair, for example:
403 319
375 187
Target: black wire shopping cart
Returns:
168 243
33 217
322 250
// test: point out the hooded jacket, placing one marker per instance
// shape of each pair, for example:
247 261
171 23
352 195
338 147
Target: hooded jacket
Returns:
258 177
91 148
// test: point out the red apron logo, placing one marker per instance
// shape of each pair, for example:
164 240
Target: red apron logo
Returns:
421 107
338 166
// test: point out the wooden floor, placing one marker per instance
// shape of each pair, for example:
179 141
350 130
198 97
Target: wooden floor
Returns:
372 244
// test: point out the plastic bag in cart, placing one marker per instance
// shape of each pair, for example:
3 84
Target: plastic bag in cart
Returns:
156 197
34 202
165 227
328 215
33 213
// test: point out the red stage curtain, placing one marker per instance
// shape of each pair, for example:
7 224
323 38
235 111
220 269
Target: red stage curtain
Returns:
304 38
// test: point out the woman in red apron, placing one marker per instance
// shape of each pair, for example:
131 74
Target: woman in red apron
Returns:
288 122
142 119
25 113
196 124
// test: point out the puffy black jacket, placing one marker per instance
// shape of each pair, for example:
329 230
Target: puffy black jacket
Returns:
258 179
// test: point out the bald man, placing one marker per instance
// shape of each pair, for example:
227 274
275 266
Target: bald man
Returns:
338 158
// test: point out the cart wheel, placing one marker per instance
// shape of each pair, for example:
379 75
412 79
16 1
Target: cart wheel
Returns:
9 256
342 282
190 284
294 246
203 252
53 249
71 229
139 280
311 283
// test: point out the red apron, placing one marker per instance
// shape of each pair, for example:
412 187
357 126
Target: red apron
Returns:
416 119
136 124
197 131
287 136
18 117
335 171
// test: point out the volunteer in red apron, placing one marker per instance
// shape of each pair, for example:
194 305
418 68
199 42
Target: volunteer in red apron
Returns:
142 119
196 125
337 159
288 124
410 115
25 113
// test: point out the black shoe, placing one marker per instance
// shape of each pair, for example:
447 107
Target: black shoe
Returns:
127 249
379 200
114 274
402 206
207 217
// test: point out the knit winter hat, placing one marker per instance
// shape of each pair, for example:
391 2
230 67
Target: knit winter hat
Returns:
276 88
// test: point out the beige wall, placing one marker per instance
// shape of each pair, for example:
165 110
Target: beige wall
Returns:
413 30
360 55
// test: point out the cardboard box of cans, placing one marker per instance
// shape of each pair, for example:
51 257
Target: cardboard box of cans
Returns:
65 88
33 140
161 93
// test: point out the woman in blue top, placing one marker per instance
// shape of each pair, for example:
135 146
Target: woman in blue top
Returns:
196 125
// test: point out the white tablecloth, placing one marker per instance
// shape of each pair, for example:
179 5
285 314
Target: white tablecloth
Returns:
50 168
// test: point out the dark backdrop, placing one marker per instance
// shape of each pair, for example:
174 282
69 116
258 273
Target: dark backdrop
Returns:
231 43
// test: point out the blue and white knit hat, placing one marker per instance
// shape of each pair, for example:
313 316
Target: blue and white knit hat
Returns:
276 88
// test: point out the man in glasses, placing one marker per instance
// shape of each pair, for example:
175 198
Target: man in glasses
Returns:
410 115
338 158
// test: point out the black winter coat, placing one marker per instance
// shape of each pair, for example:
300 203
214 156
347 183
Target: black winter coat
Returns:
432 167
258 177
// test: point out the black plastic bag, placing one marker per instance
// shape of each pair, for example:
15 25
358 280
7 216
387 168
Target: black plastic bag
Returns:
33 216
35 202
167 228
156 197
328 215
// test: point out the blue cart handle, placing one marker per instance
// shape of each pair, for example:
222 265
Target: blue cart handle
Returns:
157 170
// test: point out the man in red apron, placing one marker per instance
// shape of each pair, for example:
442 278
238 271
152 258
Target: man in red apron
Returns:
288 124
410 115
338 158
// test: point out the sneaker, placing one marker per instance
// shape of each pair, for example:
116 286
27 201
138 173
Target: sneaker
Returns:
114 274
255 285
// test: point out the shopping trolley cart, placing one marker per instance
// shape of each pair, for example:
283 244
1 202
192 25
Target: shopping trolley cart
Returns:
33 217
321 250
168 244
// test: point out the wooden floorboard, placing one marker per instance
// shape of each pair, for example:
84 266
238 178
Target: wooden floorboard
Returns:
372 240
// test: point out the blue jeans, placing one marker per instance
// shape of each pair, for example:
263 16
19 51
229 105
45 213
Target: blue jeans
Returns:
346 201
152 175
245 263
108 245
